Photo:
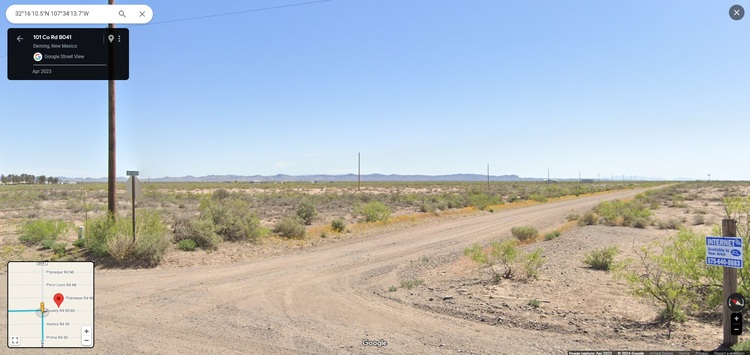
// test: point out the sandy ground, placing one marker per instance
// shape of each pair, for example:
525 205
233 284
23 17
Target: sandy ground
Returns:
328 298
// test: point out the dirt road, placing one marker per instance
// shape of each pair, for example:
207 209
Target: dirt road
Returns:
322 300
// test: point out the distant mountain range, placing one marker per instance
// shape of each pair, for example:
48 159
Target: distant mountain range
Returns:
339 178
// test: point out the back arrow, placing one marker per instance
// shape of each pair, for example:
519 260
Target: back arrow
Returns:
19 38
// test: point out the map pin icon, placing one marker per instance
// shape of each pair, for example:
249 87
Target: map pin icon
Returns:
58 298
111 38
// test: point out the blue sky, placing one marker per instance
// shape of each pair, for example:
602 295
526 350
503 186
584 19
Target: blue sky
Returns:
646 88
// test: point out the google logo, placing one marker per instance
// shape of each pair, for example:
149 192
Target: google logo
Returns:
38 57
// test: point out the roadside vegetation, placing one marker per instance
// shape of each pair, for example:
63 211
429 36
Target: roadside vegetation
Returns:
671 272
503 260
203 216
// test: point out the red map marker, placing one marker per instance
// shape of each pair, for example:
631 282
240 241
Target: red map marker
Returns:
58 299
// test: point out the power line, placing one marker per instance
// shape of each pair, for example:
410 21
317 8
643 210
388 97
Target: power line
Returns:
229 14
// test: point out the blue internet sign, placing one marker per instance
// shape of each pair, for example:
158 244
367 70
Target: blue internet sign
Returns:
724 251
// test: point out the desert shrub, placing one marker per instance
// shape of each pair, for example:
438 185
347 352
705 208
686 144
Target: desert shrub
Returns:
290 227
742 346
552 235
640 222
98 230
409 284
601 259
699 219
501 254
220 194
233 219
679 204
481 200
532 262
201 231
572 216
535 303
524 233
338 225
589 218
616 212
187 245
307 212
374 211
700 211
538 198
47 243
36 231
672 223
677 278
107 236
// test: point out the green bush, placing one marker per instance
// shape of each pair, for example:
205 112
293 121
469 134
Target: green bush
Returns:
481 200
678 278
106 236
501 254
601 259
47 243
640 222
59 249
524 233
220 194
672 223
742 346
552 235
338 225
307 212
589 218
375 211
33 232
618 213
532 262
290 227
572 216
80 243
200 231
233 219
409 284
187 245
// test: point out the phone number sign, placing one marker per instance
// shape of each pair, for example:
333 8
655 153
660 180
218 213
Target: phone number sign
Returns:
724 251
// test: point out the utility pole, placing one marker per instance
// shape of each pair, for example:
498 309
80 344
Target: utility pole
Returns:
112 171
547 174
579 176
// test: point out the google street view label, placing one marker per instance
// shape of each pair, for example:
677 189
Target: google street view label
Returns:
724 251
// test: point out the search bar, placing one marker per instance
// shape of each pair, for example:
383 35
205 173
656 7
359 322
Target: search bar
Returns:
79 14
